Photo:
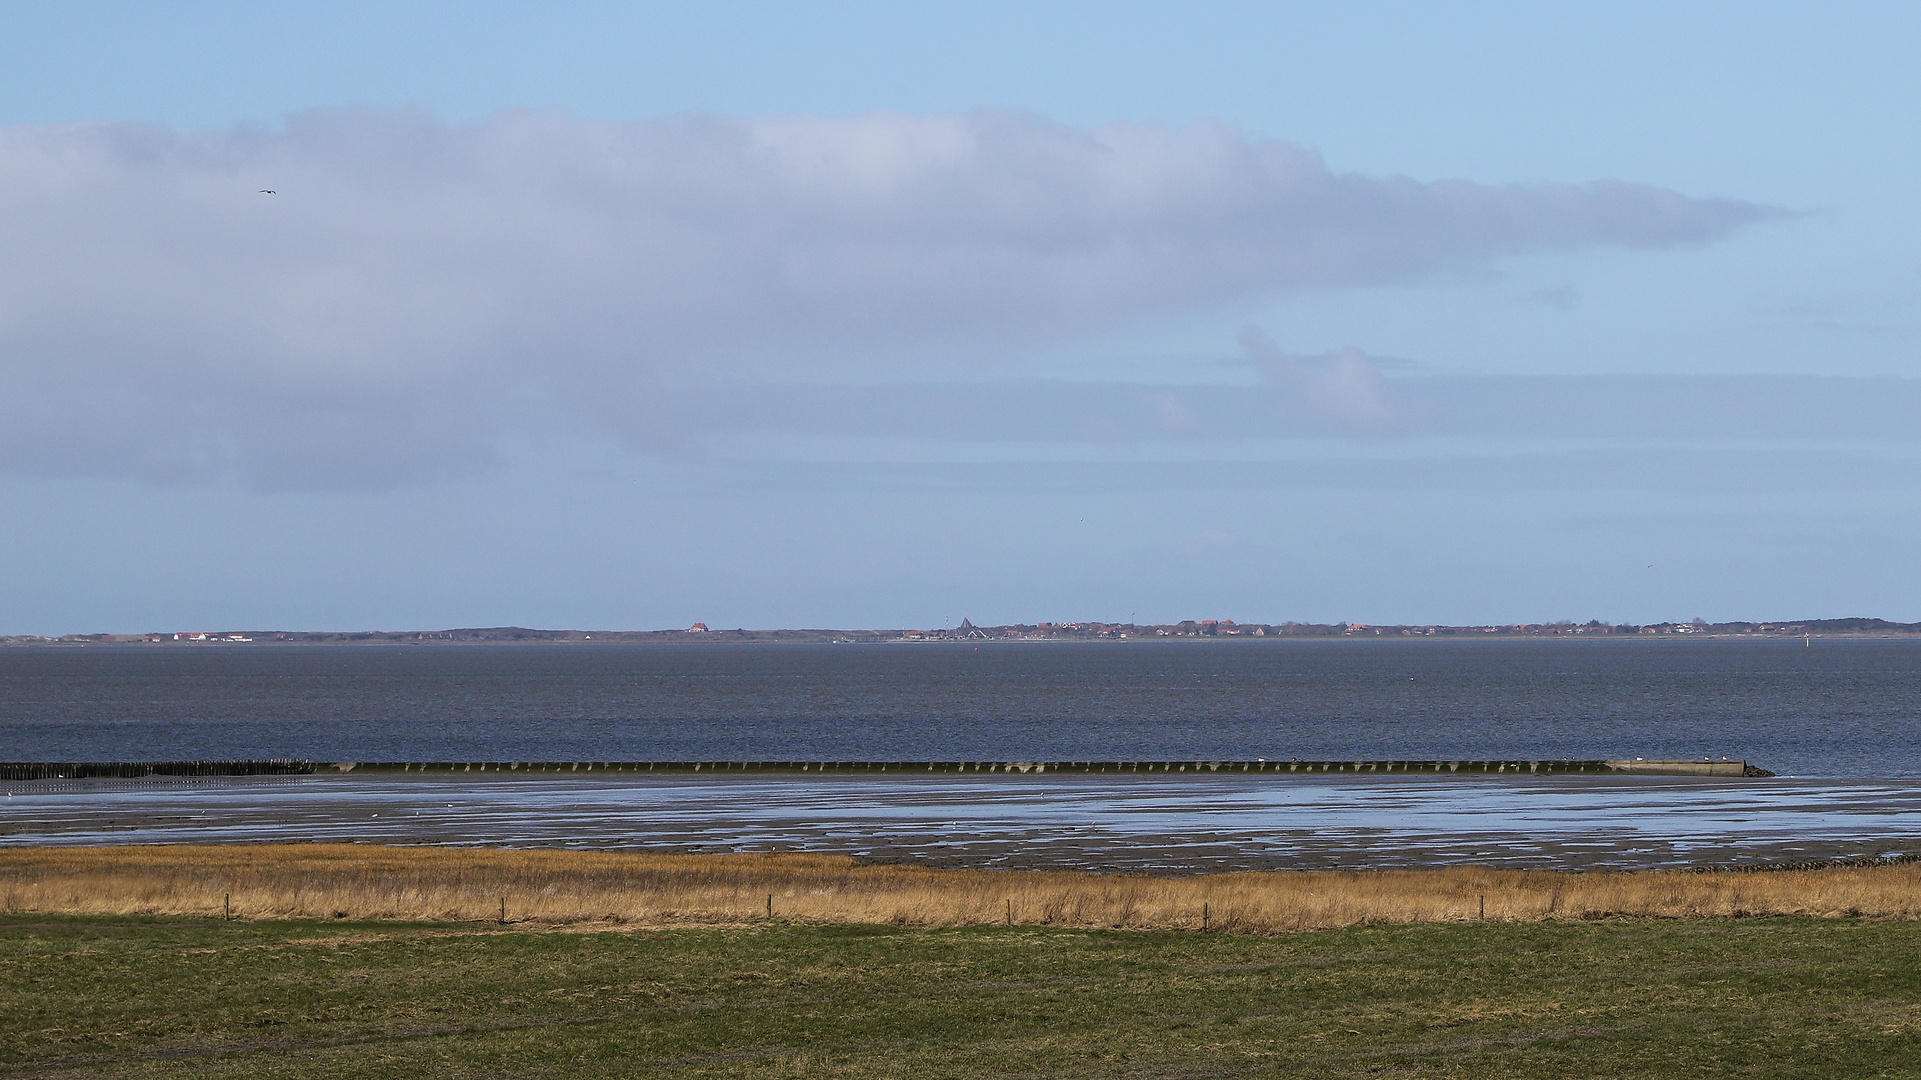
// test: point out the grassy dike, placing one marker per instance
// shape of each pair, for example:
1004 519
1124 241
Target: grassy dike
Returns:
129 996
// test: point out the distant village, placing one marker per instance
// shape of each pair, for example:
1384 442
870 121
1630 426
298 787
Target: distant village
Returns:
1230 628
968 631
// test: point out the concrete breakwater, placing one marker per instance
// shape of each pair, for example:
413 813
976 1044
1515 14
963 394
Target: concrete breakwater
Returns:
285 767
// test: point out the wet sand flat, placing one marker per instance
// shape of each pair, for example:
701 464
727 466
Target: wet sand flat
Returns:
1201 824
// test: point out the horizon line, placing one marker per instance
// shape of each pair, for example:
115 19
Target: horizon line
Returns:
967 630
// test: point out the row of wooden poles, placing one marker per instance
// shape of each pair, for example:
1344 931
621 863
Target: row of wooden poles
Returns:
83 770
1207 918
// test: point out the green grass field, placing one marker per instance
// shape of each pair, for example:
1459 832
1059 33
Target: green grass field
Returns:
83 996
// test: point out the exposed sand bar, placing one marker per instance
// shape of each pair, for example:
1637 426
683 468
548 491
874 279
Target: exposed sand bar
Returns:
545 886
1159 825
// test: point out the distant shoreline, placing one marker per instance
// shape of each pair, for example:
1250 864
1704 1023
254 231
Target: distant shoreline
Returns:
1191 630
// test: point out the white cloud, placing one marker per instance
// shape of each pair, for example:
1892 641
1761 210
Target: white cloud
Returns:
416 288
1344 386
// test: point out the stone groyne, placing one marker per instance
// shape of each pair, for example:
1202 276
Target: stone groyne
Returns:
48 770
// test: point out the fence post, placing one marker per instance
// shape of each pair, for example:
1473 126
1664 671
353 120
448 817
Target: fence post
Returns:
229 907
1483 905
1204 919
1010 912
503 911
770 905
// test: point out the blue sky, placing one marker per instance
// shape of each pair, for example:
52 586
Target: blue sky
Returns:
880 314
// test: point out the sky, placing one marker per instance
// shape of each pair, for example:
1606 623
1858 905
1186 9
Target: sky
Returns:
626 316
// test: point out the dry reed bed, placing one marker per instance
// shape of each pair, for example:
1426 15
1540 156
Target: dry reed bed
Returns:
557 886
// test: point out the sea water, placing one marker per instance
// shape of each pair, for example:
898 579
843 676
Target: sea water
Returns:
1842 707
1840 720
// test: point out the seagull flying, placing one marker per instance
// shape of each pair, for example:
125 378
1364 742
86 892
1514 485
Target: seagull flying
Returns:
268 191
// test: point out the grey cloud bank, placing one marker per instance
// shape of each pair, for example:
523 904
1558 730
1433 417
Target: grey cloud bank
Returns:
418 291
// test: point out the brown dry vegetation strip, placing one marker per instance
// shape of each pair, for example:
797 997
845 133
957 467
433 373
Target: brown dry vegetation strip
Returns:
365 882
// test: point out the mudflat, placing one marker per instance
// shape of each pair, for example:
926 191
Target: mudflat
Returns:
1160 825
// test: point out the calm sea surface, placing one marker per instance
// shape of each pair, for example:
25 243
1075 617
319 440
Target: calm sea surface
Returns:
1842 708
1841 721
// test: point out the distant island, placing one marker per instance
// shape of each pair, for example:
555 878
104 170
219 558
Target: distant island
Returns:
967 631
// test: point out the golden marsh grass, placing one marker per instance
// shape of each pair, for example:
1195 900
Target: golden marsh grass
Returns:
365 882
